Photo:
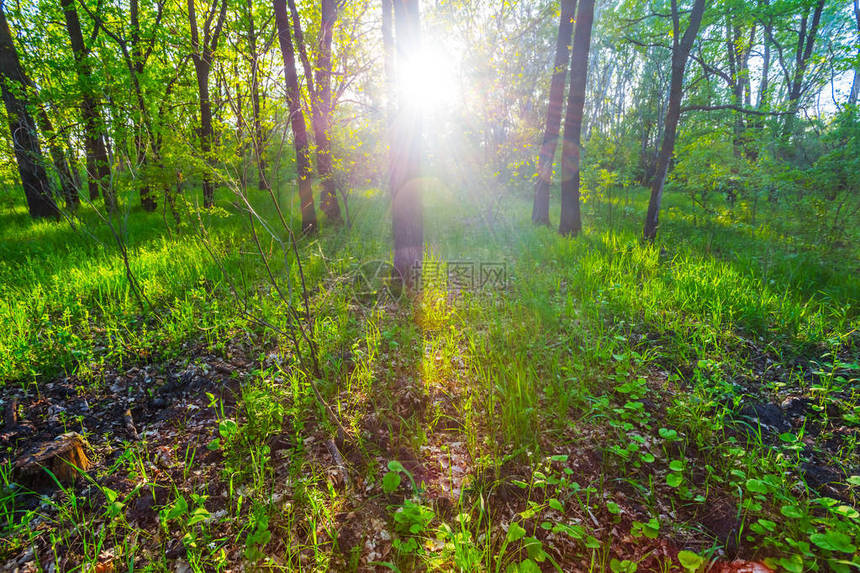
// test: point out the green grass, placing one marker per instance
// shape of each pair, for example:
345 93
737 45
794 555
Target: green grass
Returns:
604 387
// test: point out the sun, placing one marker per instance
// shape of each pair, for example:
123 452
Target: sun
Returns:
430 80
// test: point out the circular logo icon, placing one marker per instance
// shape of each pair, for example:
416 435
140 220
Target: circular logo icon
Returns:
377 282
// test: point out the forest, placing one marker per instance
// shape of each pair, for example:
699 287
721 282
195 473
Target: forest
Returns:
430 285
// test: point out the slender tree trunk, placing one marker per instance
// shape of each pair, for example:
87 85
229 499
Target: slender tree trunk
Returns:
319 89
202 70
406 208
736 85
98 163
765 65
805 44
388 58
322 113
257 125
855 85
571 218
31 164
58 157
297 119
680 53
201 56
549 143
135 63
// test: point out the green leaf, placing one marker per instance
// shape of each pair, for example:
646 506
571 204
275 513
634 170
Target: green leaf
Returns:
515 532
390 481
756 486
646 457
690 561
198 515
793 564
612 507
676 466
847 511
575 531
555 504
179 508
791 511
674 480
110 494
625 566
534 548
396 466
227 428
667 434
525 566
833 541
652 528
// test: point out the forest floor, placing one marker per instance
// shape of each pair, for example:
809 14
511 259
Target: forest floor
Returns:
539 403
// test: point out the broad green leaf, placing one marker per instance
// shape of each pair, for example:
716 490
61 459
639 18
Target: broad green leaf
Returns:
791 511
390 481
756 486
833 541
690 561
515 532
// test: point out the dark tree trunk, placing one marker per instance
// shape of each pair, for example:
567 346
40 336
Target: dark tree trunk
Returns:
201 56
406 208
98 164
135 62
322 113
805 44
549 143
257 127
571 218
680 53
319 88
202 70
297 119
31 165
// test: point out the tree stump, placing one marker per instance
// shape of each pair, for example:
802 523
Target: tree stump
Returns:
63 456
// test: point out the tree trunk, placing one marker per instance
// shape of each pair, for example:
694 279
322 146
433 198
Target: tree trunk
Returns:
297 119
549 143
765 66
202 70
322 113
257 125
388 59
855 85
67 184
201 56
135 63
31 164
680 53
406 208
319 89
571 218
98 164
805 44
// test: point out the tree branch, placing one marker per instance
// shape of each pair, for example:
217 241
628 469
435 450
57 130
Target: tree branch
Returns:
732 107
